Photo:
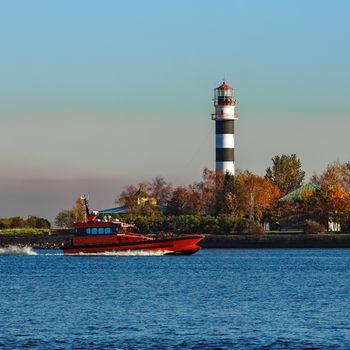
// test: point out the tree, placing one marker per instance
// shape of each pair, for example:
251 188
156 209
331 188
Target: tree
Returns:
66 218
42 223
336 174
160 190
200 198
31 221
209 191
332 202
79 209
257 195
17 222
329 203
227 198
185 201
286 172
138 201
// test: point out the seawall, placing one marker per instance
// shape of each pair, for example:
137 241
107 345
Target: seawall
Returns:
277 241
54 240
58 238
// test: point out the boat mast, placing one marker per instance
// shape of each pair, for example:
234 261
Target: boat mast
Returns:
86 205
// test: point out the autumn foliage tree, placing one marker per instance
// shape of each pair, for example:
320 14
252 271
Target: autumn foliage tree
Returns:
256 195
199 198
17 222
324 203
184 201
332 202
160 190
336 174
138 200
66 217
246 196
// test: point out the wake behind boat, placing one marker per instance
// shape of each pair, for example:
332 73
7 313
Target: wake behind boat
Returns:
95 235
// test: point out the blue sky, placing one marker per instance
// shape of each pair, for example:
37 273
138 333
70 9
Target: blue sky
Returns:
98 94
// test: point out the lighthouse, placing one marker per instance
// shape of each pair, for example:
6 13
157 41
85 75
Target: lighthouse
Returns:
224 116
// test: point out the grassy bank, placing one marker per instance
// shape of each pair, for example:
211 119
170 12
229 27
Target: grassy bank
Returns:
25 231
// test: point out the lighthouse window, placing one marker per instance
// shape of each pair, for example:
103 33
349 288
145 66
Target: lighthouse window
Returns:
94 231
88 231
107 230
100 231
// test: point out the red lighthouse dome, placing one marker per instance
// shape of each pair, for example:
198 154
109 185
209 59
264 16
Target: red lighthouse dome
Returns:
224 86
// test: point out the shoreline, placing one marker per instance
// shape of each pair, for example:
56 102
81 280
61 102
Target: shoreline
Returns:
258 241
55 240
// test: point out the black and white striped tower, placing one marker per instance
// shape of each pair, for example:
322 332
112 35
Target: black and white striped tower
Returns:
224 117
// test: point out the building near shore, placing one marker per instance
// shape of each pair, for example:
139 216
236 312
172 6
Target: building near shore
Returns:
296 220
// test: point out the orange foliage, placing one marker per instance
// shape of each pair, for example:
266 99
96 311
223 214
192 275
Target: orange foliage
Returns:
258 194
337 202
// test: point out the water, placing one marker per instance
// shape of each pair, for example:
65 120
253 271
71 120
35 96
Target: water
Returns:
216 299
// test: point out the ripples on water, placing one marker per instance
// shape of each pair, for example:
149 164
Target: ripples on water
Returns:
228 299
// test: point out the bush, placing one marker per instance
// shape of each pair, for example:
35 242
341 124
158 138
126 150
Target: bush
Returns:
227 224
17 222
248 226
256 228
31 221
313 227
42 223
222 224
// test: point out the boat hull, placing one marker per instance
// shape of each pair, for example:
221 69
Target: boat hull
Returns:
186 245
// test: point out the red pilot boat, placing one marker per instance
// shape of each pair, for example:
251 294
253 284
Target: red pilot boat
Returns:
94 235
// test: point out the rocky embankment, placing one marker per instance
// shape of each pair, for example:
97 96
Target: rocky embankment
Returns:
53 240
56 239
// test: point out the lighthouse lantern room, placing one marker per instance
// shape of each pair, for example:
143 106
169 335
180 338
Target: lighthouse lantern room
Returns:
224 116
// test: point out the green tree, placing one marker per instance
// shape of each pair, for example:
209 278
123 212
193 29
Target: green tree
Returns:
66 218
226 197
286 172
42 223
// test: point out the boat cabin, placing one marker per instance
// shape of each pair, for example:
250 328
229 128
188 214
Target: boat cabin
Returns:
102 228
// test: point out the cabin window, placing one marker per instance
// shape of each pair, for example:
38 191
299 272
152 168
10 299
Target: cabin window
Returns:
107 230
100 231
94 231
88 231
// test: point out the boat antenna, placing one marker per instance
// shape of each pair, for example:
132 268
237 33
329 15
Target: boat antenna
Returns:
86 204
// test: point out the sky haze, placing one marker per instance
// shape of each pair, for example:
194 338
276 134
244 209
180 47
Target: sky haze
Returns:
95 95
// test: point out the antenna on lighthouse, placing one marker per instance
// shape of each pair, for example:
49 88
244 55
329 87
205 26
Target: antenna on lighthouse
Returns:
224 116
